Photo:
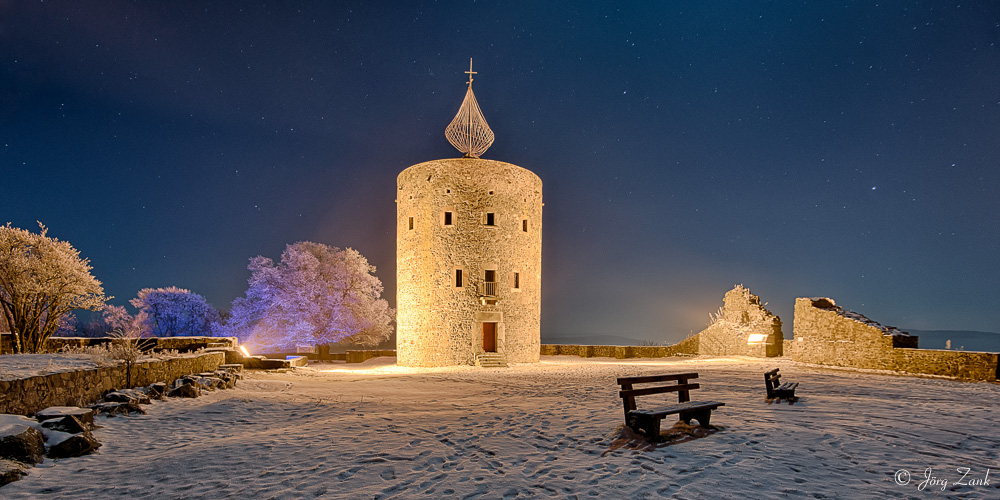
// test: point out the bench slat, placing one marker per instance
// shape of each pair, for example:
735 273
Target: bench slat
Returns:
656 378
656 390
678 408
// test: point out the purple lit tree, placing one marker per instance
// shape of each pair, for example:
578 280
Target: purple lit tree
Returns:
68 326
172 312
316 294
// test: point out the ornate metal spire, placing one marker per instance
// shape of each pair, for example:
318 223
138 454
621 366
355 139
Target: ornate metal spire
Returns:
468 131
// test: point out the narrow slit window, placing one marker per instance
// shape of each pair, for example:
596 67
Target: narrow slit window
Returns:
490 219
517 280
411 223
458 278
524 225
447 219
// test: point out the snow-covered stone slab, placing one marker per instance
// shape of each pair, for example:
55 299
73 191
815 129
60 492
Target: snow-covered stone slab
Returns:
11 471
85 415
134 396
184 391
73 445
68 424
156 390
111 409
20 440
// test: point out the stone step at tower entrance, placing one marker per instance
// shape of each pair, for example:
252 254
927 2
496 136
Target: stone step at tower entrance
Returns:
491 360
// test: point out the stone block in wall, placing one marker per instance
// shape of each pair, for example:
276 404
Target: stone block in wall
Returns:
905 341
232 355
263 363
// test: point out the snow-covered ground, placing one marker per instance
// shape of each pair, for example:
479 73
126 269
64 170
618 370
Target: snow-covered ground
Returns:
543 430
14 366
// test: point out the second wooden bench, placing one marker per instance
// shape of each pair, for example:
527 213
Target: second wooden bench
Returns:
776 390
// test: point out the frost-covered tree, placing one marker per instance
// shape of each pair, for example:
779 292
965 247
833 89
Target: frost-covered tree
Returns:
68 326
116 317
172 312
316 294
41 280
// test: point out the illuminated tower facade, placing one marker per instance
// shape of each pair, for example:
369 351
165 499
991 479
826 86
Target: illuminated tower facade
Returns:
468 255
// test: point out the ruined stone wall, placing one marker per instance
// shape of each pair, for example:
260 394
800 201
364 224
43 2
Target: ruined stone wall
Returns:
827 334
741 316
25 396
437 323
687 347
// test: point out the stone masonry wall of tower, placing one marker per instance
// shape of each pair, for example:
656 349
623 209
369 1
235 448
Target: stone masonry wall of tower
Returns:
439 323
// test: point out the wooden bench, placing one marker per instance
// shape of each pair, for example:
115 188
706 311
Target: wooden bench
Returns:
648 421
777 390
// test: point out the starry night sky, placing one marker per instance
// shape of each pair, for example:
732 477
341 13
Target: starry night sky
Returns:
847 150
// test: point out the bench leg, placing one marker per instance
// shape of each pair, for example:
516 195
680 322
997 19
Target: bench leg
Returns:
703 417
644 424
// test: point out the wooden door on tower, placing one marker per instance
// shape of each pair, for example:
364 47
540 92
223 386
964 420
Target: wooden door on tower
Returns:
489 337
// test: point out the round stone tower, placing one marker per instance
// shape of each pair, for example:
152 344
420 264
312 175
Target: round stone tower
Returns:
468 256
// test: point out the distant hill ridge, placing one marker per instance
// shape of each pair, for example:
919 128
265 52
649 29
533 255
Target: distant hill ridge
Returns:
965 340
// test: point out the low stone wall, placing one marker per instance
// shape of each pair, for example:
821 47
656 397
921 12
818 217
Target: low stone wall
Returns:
958 364
26 396
361 356
687 347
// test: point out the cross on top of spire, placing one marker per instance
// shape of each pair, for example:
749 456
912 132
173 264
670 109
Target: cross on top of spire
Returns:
470 72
